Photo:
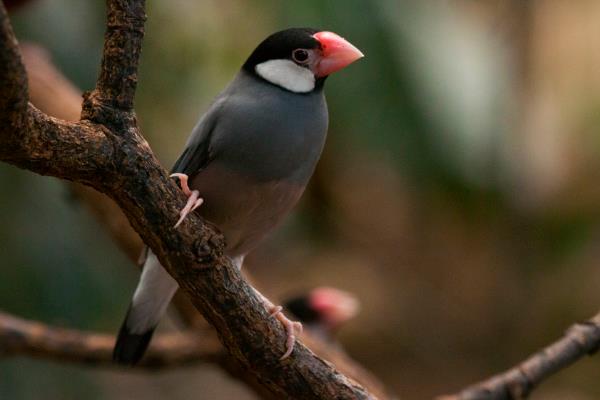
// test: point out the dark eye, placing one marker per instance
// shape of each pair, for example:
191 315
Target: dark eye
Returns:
300 55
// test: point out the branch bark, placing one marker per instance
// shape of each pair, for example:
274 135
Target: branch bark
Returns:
19 337
580 339
105 150
112 100
13 82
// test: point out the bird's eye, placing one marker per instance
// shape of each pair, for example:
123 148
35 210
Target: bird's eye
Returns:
300 55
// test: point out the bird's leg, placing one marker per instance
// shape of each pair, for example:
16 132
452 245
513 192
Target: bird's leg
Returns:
292 328
194 199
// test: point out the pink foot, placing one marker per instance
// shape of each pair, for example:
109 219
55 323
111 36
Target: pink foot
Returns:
183 181
292 328
194 199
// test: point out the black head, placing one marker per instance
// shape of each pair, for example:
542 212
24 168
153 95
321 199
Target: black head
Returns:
281 45
326 306
301 308
300 59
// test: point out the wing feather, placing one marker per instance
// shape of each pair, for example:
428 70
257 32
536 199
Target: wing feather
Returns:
197 152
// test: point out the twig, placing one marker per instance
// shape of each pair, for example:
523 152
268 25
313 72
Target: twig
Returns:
34 339
112 100
580 339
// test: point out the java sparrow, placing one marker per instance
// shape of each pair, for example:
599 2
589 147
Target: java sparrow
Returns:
247 162
324 310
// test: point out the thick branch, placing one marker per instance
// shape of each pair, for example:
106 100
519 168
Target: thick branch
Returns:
193 255
19 337
517 383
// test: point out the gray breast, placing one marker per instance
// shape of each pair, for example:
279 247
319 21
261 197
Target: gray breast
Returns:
270 133
264 149
245 210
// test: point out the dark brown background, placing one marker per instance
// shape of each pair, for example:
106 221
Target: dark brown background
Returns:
457 197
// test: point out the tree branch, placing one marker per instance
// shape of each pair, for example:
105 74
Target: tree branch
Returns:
112 100
55 95
30 139
37 340
109 153
580 339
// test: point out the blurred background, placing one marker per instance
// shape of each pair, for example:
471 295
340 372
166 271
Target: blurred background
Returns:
457 197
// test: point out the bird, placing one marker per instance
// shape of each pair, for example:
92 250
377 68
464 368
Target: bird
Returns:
246 163
323 310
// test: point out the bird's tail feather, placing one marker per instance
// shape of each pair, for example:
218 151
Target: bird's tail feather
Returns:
130 347
150 300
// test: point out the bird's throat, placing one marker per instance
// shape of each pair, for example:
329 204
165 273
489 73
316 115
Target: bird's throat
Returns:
286 74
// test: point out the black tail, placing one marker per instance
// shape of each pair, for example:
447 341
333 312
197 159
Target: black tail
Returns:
130 347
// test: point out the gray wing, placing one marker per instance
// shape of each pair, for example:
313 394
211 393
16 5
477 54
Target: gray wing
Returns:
197 152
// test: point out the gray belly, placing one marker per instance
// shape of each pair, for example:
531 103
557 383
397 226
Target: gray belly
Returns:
243 208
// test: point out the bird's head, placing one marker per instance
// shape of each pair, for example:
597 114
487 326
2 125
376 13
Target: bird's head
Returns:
326 307
299 59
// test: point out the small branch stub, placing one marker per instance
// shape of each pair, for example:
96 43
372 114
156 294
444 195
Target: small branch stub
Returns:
111 102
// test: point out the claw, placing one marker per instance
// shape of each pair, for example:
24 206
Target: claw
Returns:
275 310
194 200
292 328
183 181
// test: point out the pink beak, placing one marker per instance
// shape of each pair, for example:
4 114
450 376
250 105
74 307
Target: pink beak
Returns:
335 306
337 53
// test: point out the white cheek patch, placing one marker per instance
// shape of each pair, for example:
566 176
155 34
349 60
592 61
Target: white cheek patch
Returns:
287 74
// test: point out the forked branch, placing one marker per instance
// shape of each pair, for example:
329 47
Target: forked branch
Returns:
112 100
